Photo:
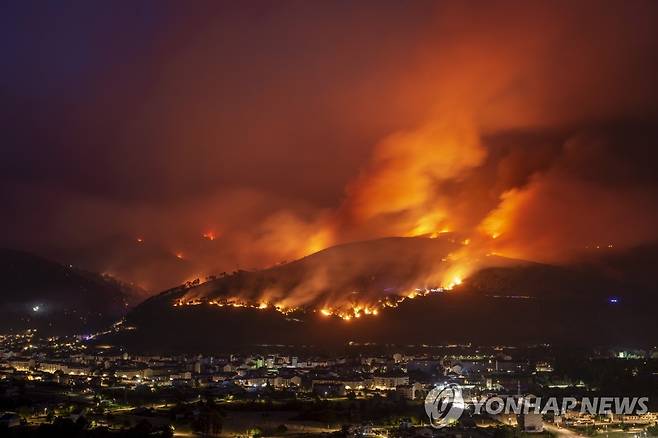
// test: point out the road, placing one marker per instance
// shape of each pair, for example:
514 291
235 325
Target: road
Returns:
561 432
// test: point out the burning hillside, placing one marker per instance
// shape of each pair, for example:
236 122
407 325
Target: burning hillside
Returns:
483 120
349 281
512 300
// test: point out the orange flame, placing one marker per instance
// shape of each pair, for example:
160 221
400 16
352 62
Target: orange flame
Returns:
209 235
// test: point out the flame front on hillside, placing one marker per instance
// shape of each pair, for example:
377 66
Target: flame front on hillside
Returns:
346 313
352 281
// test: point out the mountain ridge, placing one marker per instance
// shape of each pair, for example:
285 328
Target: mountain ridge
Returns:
517 302
53 298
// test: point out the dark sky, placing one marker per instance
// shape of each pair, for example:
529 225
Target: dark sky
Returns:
285 127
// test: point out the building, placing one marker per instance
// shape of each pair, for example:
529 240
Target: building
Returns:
21 364
389 381
51 367
531 422
410 392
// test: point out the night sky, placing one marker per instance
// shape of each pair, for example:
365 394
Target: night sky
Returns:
131 130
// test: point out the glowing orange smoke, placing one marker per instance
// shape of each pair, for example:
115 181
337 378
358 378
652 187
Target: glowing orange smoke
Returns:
406 167
209 235
318 241
497 222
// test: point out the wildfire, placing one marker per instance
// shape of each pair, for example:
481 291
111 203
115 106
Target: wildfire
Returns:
429 224
356 311
210 235
353 311
234 302
347 310
456 281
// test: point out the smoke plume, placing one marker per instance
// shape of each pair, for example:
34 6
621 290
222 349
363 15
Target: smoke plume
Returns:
526 129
